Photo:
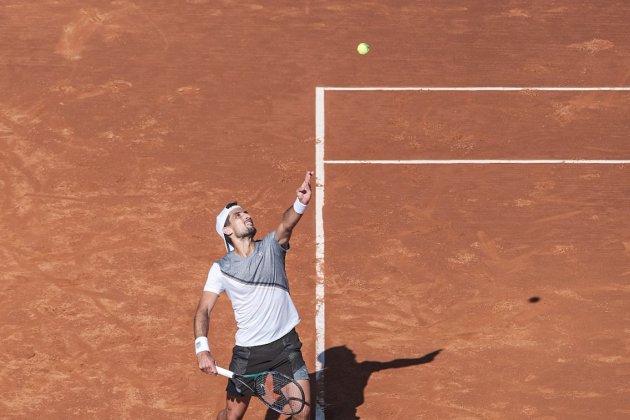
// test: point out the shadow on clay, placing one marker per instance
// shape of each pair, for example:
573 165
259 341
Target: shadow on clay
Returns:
346 379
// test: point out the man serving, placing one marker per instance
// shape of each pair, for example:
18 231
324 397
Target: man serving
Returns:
253 276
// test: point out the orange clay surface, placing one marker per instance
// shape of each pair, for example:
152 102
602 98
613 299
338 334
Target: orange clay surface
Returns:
126 126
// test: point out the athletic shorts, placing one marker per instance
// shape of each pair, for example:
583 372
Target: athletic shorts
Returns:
283 355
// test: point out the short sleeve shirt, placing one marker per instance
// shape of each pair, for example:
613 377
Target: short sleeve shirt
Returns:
258 288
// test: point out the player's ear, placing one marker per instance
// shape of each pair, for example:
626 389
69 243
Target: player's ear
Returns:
227 230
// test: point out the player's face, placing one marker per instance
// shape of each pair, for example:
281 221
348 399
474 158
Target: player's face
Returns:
242 223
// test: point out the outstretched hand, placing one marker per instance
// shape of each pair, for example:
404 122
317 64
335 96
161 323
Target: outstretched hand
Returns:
304 192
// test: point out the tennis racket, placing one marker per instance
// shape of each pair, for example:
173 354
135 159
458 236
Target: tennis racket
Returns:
278 391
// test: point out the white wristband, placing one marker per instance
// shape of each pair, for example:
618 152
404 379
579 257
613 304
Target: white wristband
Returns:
201 344
299 207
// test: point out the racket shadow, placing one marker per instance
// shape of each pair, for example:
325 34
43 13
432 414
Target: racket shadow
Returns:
346 379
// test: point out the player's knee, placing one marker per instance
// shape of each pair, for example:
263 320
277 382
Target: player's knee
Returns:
232 413
306 412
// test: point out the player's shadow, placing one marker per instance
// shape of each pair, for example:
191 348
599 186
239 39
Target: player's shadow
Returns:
345 381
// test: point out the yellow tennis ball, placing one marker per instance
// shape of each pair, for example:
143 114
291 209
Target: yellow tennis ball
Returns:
363 48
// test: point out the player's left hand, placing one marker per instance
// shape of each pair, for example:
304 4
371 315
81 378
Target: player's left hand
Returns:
304 192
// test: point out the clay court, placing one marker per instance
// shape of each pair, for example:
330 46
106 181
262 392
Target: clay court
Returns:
468 253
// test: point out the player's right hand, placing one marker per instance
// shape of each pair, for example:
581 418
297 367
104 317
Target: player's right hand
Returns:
207 363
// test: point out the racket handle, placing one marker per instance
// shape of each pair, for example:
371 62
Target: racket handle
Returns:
225 372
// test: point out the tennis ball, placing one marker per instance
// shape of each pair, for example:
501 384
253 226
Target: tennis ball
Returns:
363 48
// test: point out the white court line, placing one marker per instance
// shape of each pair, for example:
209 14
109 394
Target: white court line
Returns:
481 162
481 88
320 163
320 320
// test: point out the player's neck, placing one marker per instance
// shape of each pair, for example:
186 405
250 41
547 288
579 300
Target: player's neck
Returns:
244 246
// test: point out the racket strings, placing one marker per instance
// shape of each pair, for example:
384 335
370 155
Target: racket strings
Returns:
280 392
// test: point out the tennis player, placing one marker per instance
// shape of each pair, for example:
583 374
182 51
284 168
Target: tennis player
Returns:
253 276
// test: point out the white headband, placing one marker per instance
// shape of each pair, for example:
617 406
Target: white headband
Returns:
221 219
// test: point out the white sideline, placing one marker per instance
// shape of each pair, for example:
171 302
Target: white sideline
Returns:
320 321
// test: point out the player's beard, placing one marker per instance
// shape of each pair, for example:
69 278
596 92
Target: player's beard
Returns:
250 232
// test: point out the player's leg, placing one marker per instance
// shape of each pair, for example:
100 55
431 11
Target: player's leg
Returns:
237 400
235 408
305 414
293 353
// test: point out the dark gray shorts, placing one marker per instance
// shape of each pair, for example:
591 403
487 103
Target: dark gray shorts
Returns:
283 355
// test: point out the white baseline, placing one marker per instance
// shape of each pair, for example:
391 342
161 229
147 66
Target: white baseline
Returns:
482 162
481 88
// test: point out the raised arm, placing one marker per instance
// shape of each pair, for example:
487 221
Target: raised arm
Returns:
201 325
293 214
